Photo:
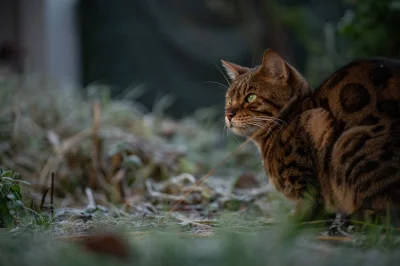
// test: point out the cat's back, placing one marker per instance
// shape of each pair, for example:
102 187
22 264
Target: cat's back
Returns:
364 91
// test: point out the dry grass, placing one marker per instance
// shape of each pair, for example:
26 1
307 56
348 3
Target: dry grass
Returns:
181 182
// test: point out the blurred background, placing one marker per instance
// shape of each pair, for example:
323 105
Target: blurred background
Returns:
171 49
110 95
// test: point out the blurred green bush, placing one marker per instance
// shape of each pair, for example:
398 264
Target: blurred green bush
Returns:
371 27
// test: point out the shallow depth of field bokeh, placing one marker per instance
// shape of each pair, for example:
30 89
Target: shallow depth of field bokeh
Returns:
111 111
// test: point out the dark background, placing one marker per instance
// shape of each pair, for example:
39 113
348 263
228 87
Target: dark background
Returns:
170 50
174 47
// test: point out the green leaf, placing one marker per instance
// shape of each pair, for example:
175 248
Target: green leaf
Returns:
7 180
22 182
7 173
5 189
16 191
16 176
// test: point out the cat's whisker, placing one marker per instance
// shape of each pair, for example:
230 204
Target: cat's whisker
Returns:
223 74
220 85
267 130
270 127
255 124
270 121
225 132
265 126
229 133
269 118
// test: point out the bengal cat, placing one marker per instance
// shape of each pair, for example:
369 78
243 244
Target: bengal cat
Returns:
339 143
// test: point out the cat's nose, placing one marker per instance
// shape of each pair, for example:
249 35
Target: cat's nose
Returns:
229 114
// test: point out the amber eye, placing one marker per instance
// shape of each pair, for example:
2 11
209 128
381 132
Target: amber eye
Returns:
251 97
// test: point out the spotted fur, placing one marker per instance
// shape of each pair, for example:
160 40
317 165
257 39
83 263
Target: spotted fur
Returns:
342 140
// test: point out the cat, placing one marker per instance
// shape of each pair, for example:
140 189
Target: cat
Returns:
338 145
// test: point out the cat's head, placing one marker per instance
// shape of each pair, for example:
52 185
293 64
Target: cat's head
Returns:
257 95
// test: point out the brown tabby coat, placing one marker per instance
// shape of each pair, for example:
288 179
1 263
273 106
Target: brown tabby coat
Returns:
342 140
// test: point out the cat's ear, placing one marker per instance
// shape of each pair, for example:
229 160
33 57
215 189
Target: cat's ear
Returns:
274 67
234 70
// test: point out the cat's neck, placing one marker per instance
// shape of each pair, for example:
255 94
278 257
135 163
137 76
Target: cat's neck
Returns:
267 138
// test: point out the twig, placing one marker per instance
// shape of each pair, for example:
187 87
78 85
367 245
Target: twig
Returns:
96 145
46 190
55 159
317 222
52 194
118 183
161 196
119 175
98 178
180 178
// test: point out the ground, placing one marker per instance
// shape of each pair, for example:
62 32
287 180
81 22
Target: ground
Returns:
98 176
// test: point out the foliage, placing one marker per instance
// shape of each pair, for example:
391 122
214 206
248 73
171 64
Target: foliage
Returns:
11 205
371 26
313 25
365 28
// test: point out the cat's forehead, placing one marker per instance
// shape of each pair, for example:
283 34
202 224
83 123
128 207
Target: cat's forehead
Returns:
239 84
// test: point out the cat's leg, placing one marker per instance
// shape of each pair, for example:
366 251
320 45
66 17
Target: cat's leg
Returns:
312 141
313 209
323 131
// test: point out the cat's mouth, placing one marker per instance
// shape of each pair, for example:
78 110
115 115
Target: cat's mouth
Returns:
240 128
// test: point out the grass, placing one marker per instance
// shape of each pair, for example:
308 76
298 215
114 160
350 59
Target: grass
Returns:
119 168
228 247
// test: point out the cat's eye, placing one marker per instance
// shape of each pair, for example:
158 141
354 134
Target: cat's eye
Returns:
251 97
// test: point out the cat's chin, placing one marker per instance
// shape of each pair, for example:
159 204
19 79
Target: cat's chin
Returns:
243 131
